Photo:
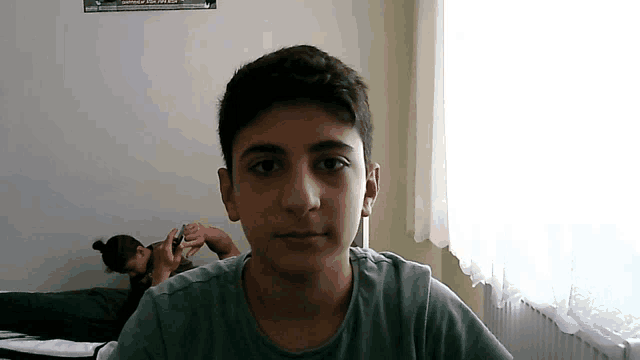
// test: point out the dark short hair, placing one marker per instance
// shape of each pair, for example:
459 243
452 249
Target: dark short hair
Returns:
117 251
296 75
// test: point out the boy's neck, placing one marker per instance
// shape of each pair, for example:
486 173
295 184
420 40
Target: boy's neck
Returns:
275 298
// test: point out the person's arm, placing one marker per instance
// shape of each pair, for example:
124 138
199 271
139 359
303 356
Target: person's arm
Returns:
233 251
159 275
217 240
165 261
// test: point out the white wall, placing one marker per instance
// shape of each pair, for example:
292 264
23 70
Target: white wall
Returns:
109 126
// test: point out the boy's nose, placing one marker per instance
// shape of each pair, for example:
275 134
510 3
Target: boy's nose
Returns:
302 193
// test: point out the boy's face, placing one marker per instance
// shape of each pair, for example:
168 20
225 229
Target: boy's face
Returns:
299 170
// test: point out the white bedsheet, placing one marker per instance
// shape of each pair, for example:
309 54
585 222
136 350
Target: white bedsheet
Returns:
32 345
108 351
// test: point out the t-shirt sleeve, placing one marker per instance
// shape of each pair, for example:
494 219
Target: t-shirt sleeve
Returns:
141 337
455 332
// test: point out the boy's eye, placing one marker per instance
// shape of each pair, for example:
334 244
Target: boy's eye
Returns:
266 167
332 162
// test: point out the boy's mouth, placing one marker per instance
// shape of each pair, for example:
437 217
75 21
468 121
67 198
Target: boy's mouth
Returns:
301 235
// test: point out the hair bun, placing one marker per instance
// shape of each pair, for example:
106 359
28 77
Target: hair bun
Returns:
99 245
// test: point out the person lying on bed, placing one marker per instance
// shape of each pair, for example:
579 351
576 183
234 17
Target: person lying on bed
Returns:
296 136
126 255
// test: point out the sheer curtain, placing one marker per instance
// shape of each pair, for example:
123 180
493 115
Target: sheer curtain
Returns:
535 186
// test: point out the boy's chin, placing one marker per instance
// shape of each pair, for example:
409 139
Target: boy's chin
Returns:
301 262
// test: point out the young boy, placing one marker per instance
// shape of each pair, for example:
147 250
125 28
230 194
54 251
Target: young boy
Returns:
296 134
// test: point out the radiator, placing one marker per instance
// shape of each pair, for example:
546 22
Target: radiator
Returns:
530 335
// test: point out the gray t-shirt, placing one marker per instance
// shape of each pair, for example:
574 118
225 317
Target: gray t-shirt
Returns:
397 311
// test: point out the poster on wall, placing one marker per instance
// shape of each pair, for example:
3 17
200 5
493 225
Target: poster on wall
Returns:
91 6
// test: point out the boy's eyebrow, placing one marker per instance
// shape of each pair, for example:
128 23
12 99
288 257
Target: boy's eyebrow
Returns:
315 148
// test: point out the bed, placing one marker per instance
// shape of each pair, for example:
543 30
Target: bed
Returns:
79 324
21 346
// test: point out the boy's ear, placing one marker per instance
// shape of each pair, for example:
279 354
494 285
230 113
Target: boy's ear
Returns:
226 191
372 188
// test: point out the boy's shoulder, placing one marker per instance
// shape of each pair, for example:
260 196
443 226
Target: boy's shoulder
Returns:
213 277
387 264
385 257
406 284
383 271
411 279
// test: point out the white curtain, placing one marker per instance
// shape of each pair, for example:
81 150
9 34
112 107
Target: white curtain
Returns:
539 195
